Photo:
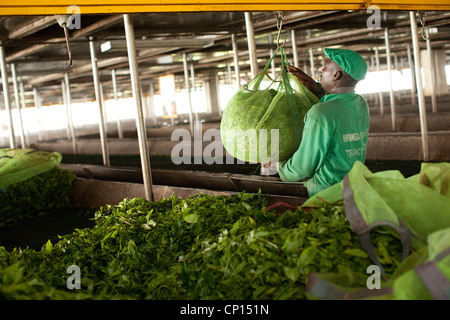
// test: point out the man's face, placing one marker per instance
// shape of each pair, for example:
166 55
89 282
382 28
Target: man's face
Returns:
329 75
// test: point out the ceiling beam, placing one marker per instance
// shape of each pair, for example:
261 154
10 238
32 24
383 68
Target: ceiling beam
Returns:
30 27
29 51
98 26
77 71
77 34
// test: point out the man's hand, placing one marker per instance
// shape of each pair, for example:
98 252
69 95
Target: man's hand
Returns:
268 169
302 77
307 81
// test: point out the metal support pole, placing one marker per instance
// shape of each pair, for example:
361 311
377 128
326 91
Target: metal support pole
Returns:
374 68
137 94
66 88
389 66
37 105
396 67
105 114
114 82
151 92
413 75
144 105
218 94
237 72
64 94
193 84
294 48
23 104
192 71
311 60
12 139
432 73
271 52
229 76
401 69
98 97
186 80
16 96
420 96
251 44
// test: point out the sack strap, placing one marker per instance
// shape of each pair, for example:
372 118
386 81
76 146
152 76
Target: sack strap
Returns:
433 279
263 73
289 92
360 227
323 289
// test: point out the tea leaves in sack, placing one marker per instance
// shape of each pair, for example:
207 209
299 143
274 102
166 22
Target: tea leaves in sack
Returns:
263 124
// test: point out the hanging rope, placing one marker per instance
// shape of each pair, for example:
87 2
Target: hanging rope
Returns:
62 21
66 35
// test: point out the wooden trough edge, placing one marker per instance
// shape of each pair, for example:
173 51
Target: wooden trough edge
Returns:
93 194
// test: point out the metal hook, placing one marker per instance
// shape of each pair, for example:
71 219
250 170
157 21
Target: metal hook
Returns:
424 33
279 16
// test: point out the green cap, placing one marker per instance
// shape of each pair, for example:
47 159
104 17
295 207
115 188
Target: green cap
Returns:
349 61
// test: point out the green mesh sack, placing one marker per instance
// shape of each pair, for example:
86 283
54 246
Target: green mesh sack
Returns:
18 165
436 176
408 208
429 280
263 121
424 275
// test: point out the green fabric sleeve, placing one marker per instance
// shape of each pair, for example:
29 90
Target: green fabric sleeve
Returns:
309 156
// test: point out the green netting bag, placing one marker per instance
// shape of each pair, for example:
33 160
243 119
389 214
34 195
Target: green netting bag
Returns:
424 275
429 280
436 176
263 121
17 165
407 208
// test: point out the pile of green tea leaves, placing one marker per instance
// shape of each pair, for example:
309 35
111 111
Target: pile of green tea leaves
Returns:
40 195
203 247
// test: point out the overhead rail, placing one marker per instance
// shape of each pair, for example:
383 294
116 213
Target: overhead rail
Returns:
48 7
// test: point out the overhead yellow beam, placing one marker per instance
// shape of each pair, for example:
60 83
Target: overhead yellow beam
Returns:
50 7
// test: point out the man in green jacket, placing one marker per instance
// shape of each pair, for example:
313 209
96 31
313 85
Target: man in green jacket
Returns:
336 128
